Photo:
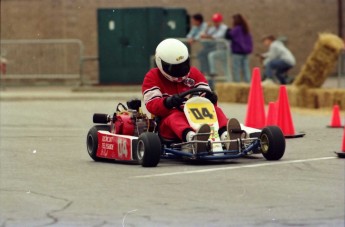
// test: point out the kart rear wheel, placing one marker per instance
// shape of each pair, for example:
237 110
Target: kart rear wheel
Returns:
148 151
272 142
92 140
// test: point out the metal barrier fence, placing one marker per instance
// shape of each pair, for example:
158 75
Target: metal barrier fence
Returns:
64 59
42 59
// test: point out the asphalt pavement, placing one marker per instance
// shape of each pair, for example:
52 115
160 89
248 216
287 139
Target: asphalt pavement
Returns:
48 179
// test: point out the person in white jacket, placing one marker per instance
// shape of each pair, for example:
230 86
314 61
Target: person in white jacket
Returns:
278 60
198 27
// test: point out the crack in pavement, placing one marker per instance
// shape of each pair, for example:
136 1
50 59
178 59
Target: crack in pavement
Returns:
49 214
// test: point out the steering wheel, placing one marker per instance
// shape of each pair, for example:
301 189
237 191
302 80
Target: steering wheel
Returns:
194 91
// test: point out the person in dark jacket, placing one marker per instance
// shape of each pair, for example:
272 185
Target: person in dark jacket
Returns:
241 47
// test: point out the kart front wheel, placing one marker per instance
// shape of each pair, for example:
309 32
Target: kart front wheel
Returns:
92 140
272 142
148 151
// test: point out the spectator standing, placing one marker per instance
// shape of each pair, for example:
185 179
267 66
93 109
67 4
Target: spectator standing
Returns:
241 47
278 60
213 50
198 27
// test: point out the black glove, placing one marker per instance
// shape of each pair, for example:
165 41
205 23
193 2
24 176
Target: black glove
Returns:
173 101
212 97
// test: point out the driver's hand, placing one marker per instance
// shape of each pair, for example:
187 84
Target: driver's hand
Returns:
212 97
173 101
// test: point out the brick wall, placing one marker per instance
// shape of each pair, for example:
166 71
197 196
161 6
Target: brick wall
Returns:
299 20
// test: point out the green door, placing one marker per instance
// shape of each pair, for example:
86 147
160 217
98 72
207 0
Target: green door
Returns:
139 35
176 22
127 39
109 47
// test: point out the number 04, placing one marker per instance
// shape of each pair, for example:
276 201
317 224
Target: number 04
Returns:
199 115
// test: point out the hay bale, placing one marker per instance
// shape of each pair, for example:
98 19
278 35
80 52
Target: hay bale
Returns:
320 62
243 92
295 94
326 98
321 98
339 98
238 93
223 94
298 96
311 99
270 93
232 92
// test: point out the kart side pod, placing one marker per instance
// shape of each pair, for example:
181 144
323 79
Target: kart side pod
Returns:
124 124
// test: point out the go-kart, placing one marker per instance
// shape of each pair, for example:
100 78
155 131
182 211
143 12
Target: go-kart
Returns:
130 135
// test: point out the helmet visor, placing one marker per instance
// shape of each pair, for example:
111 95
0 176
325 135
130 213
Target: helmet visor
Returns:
176 70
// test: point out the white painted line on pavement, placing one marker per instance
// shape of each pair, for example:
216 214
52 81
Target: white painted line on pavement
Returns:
272 163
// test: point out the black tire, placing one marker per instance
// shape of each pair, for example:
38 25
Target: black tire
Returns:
272 142
92 140
148 152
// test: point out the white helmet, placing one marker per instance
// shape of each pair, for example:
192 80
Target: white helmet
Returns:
172 59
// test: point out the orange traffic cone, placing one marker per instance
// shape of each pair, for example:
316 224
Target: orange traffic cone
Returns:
284 120
255 117
335 121
272 114
342 154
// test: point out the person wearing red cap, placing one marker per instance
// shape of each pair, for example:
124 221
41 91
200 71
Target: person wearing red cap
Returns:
217 18
214 50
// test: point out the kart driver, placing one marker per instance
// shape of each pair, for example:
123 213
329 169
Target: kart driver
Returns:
161 87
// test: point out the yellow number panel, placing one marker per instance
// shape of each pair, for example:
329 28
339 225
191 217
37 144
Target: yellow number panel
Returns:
201 113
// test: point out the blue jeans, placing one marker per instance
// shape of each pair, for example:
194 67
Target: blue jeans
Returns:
240 62
277 68
221 56
203 58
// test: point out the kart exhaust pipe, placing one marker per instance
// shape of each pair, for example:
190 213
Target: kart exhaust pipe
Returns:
100 118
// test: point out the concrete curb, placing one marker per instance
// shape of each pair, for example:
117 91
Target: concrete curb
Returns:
57 96
117 88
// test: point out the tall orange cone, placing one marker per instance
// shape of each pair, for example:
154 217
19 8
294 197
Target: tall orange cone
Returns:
335 120
255 116
342 153
272 114
284 120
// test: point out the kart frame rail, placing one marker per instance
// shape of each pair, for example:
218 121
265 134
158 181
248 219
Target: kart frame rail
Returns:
170 152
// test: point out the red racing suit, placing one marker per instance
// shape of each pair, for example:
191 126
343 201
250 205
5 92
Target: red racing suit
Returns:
173 122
